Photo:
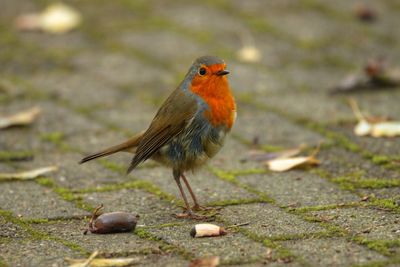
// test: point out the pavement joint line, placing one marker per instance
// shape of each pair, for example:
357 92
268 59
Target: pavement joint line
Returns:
331 228
40 235
281 252
338 139
383 263
265 26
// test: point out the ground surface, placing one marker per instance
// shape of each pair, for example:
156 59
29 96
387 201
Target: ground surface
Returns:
103 82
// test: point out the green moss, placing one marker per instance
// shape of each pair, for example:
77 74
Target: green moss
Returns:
370 183
48 182
65 193
142 233
136 184
389 204
53 137
322 234
381 246
224 175
381 159
164 246
248 171
39 235
36 221
15 155
3 262
113 166
384 263
57 139
324 207
231 202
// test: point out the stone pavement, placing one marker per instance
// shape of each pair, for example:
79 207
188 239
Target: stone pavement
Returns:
103 82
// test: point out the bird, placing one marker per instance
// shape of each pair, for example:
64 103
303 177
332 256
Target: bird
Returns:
188 129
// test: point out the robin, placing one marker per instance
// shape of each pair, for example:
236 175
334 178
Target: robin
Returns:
188 129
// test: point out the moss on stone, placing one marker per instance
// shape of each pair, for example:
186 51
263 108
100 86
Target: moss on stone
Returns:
381 246
40 235
57 139
16 155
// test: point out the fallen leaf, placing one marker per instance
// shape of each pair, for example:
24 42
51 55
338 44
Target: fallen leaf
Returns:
205 262
386 129
92 262
22 118
376 75
285 164
27 175
57 18
259 155
373 127
249 53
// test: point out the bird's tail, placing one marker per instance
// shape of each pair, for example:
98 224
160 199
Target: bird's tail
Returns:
125 146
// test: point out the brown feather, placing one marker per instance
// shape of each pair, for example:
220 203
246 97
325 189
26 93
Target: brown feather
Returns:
170 120
125 146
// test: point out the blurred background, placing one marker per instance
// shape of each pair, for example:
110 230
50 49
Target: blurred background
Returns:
115 61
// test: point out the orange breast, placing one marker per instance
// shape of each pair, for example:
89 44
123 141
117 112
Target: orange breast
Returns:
216 93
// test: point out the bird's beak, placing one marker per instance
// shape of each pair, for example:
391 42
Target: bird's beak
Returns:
222 72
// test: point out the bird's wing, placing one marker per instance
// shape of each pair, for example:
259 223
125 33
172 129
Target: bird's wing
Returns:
172 117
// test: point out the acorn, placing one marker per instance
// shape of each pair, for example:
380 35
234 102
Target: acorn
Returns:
206 230
113 222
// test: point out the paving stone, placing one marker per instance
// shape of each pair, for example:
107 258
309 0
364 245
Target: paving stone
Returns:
77 90
392 193
369 223
332 252
298 188
152 210
122 243
205 185
72 175
11 230
338 162
131 114
31 200
378 146
119 70
231 156
231 248
327 109
163 46
268 221
253 123
36 253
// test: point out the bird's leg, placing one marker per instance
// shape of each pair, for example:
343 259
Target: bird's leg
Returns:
196 205
189 213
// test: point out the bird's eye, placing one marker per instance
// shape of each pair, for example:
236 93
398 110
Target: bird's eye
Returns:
202 71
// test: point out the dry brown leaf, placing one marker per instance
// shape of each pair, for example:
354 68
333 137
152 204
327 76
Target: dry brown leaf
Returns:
27 175
285 164
22 118
205 262
57 18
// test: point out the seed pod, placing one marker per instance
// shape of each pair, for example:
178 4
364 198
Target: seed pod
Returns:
113 222
207 229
